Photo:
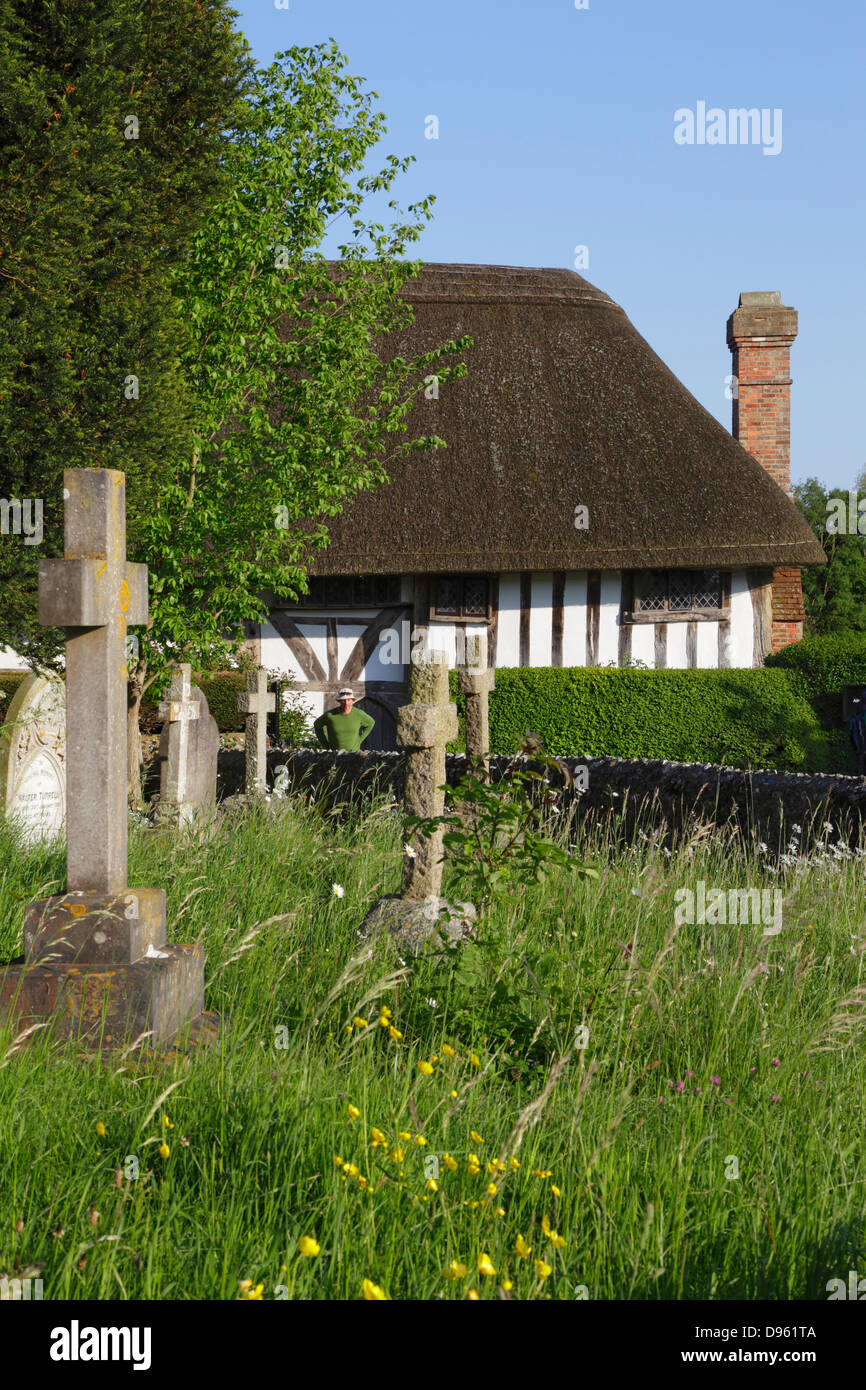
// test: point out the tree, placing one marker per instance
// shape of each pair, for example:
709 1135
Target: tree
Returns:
834 595
112 121
300 399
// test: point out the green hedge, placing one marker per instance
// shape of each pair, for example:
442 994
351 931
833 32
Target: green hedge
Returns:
221 690
740 718
820 666
787 715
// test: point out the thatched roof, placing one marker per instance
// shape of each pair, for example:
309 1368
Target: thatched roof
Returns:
565 403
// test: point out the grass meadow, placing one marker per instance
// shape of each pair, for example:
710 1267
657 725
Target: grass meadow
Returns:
633 1109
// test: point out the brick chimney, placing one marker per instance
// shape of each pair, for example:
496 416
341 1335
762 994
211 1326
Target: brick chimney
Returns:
760 333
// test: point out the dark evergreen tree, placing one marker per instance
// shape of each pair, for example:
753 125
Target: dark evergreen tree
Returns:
112 128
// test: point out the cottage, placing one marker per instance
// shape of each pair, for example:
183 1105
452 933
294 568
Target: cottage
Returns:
587 510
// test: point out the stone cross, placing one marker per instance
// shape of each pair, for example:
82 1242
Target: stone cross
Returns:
178 709
94 593
96 963
257 703
475 682
424 726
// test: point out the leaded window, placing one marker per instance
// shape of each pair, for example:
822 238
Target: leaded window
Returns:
678 591
461 596
350 591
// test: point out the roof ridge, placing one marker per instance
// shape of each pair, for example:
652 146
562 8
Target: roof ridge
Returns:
443 280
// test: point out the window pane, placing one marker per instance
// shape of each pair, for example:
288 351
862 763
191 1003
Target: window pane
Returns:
652 592
708 589
475 596
681 589
316 596
338 591
363 591
387 588
447 595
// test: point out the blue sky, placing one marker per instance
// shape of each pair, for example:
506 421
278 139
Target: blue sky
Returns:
556 129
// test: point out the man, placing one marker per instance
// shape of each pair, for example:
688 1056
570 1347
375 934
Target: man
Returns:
343 727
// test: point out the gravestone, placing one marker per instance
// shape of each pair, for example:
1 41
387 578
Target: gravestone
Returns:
33 759
188 752
424 727
96 965
256 703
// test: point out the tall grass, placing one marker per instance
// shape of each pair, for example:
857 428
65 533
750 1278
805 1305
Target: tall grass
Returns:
706 1142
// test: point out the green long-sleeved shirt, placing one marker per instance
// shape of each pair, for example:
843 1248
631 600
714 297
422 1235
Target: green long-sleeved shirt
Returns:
336 730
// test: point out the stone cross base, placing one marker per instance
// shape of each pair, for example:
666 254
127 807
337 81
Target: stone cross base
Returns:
87 928
411 922
97 968
108 1006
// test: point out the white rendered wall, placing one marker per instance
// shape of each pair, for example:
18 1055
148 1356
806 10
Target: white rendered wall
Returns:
508 627
574 620
608 622
541 620
742 620
11 661
643 643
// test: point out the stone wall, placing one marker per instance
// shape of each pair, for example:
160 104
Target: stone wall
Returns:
643 792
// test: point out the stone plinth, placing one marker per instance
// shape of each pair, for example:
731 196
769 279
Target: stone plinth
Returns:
107 1005
413 923
82 928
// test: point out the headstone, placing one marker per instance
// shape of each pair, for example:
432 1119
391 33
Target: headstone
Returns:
256 703
97 966
476 681
33 759
424 727
188 751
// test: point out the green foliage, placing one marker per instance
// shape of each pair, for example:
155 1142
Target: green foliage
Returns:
738 718
297 404
93 226
499 840
8 686
643 1200
822 665
819 667
834 594
221 690
496 835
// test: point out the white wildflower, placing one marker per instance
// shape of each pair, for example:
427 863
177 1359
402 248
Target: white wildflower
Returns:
337 890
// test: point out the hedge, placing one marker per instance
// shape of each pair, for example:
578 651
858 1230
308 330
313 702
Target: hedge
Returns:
786 715
739 718
820 666
221 690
